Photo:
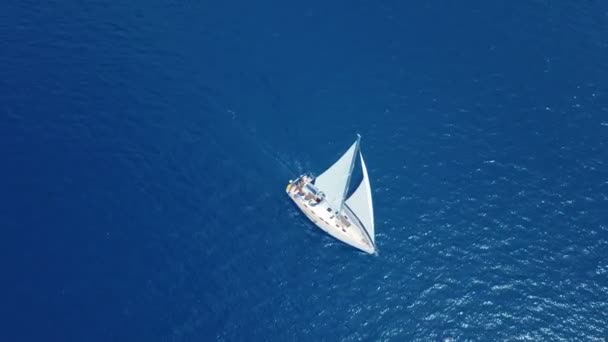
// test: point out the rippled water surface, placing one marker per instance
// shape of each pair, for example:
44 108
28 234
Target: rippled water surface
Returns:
146 146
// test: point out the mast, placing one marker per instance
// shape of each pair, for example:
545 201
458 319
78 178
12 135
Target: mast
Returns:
350 172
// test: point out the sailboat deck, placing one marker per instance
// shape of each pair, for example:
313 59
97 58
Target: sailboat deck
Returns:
343 226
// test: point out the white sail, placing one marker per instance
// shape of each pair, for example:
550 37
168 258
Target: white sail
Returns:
334 181
360 202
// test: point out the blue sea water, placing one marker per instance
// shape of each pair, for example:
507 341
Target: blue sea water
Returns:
145 148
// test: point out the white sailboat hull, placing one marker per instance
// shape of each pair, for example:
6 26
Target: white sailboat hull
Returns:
344 226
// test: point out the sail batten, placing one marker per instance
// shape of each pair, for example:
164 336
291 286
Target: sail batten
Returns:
360 202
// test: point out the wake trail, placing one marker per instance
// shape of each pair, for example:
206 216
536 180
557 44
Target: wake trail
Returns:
257 143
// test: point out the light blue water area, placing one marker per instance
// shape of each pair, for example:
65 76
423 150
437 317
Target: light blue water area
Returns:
146 147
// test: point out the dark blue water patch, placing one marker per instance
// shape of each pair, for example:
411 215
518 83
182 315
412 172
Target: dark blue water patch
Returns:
145 150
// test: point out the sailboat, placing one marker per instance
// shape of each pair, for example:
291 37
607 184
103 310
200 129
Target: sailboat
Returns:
326 202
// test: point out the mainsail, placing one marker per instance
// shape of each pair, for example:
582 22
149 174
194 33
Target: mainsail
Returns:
334 181
360 202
